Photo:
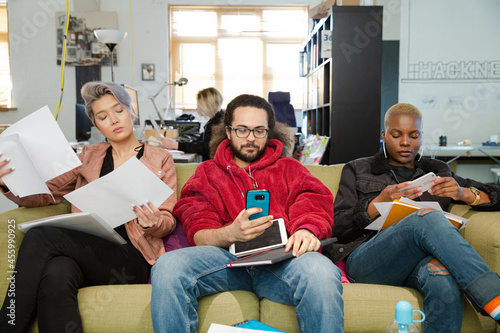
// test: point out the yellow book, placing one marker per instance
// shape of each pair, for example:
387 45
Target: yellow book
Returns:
401 209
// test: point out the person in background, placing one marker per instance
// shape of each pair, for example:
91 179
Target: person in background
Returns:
209 103
423 251
249 155
53 263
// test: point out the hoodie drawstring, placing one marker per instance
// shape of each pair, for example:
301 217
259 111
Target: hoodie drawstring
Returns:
254 182
234 180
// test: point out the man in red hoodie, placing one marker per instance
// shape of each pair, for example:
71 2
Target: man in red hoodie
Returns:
249 155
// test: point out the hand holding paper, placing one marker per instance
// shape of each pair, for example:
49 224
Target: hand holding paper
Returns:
38 151
112 196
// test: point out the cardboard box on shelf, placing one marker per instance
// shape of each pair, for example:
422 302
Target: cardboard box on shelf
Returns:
168 133
356 2
321 10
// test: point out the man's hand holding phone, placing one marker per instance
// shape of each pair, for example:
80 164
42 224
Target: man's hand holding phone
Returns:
244 229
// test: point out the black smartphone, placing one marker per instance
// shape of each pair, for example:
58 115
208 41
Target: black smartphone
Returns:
260 199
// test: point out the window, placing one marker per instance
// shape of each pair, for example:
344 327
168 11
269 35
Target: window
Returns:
5 80
237 50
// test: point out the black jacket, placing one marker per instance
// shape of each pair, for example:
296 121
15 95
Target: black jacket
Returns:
363 179
201 145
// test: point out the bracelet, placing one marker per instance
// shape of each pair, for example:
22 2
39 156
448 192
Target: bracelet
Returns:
476 192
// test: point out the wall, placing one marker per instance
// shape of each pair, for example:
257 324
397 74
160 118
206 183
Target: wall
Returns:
450 69
444 44
36 77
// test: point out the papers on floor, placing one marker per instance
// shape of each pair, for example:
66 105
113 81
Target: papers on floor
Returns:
38 151
392 212
111 196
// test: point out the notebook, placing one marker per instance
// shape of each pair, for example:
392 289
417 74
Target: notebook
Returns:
268 257
89 223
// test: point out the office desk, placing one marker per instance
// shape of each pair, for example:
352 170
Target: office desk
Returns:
456 152
187 158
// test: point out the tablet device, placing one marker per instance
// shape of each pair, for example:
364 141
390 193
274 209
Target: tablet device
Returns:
273 237
89 223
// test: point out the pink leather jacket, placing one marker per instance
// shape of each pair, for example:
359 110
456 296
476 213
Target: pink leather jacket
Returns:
149 241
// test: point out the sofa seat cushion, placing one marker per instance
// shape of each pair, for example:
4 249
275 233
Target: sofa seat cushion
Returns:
227 308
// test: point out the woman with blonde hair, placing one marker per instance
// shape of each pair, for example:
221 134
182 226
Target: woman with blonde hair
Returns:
53 263
209 102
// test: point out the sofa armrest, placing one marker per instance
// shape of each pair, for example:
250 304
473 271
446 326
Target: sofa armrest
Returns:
10 220
483 233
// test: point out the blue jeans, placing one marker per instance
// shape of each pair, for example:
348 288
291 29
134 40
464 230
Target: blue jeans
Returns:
398 256
311 282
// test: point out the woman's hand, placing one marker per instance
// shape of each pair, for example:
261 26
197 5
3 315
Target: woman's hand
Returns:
448 187
169 143
391 193
5 171
147 218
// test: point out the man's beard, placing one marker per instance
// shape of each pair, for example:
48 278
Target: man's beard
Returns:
248 157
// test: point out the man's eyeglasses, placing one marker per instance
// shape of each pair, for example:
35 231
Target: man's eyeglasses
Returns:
243 132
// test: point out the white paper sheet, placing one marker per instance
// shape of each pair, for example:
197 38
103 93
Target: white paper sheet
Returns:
383 208
25 179
40 143
111 196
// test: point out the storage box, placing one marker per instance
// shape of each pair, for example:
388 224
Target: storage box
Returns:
321 10
356 2
168 133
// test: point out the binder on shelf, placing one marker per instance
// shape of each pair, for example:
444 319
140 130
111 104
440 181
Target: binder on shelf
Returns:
326 44
302 55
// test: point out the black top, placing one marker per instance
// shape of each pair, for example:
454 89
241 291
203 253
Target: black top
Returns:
402 173
201 145
108 165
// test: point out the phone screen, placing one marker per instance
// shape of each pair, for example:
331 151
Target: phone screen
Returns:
260 199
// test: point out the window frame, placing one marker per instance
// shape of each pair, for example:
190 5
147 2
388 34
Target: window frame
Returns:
175 43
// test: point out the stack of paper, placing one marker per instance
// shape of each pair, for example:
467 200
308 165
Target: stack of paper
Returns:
38 151
392 212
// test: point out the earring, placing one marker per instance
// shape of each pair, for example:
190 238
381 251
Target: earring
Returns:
420 152
383 148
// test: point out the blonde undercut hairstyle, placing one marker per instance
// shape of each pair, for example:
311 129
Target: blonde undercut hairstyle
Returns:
92 91
402 108
209 100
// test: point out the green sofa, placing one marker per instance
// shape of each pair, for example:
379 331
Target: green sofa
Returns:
368 308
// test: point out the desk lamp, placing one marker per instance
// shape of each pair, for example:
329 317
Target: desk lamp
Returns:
182 82
110 38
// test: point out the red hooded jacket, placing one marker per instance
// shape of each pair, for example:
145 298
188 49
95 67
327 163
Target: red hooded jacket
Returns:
215 194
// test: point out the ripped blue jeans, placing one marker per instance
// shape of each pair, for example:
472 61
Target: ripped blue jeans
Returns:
405 255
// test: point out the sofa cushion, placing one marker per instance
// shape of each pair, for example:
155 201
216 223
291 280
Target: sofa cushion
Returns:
328 174
227 308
